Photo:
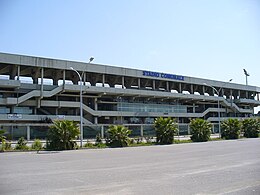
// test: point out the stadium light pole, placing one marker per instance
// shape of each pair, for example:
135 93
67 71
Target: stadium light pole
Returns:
218 91
246 74
81 111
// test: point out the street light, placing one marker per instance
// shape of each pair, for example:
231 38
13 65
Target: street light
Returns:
81 111
218 107
218 91
247 74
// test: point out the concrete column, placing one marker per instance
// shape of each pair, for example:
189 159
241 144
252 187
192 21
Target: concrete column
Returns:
102 132
28 132
192 90
238 94
142 130
18 72
139 83
153 84
203 90
96 120
95 104
193 108
42 72
257 96
103 80
180 89
64 76
123 82
167 86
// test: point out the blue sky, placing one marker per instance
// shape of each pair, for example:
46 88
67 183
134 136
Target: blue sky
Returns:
212 39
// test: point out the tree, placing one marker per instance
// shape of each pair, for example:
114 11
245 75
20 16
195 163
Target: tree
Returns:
118 136
250 127
200 130
230 129
165 130
62 134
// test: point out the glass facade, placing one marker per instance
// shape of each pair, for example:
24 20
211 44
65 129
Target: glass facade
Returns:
141 107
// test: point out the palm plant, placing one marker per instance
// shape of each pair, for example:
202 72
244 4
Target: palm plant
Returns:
165 130
250 127
200 130
2 137
118 136
230 128
62 134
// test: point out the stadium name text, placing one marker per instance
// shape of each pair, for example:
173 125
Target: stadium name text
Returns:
163 75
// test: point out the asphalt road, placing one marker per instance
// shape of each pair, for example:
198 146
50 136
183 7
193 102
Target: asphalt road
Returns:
220 167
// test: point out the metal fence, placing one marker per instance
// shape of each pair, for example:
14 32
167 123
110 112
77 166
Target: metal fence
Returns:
39 131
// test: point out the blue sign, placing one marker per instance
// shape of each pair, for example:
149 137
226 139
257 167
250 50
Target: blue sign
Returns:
163 75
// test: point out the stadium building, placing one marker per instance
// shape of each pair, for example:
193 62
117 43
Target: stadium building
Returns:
36 90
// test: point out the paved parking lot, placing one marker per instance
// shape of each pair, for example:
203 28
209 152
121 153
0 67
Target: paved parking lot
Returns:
220 167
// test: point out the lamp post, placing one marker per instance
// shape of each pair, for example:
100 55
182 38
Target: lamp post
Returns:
81 111
246 74
219 129
218 91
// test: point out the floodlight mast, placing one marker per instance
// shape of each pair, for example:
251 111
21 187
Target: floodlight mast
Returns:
247 75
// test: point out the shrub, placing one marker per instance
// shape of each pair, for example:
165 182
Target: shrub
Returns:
61 135
200 130
37 145
21 144
230 129
118 136
250 127
88 145
165 130
2 137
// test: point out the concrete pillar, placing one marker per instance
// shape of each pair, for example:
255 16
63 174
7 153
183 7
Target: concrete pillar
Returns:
139 83
95 104
180 89
18 72
102 132
191 89
167 86
193 108
103 80
153 84
123 82
42 72
64 76
95 120
28 132
203 90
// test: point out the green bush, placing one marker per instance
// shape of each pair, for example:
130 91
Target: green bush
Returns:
21 144
88 145
118 136
37 145
200 130
61 135
165 129
250 127
230 129
5 145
